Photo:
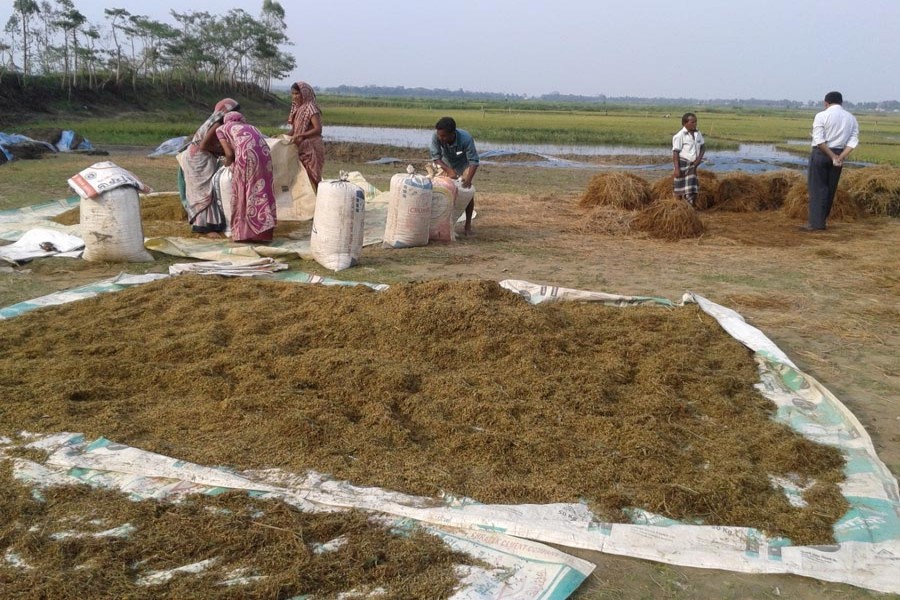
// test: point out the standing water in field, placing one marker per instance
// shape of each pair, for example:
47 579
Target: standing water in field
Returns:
748 157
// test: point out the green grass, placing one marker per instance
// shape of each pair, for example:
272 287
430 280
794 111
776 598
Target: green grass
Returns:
29 182
615 125
521 122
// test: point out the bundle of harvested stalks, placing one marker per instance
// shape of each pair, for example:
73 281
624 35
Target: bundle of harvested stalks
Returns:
661 188
670 219
617 189
709 183
740 192
606 220
796 204
876 189
709 186
777 184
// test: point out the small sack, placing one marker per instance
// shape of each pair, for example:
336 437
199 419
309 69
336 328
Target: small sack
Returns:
111 227
443 203
338 224
464 195
223 192
409 211
295 198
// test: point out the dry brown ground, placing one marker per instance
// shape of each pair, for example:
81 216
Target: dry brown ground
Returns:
829 300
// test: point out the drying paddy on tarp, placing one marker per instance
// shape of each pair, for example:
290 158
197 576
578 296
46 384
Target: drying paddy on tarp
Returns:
162 215
459 388
80 542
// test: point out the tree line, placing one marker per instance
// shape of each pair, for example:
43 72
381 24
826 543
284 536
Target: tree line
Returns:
374 91
234 50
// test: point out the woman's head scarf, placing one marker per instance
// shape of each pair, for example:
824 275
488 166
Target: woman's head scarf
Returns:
222 107
234 116
302 114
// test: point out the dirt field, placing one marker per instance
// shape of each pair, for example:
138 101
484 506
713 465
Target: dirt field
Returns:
828 299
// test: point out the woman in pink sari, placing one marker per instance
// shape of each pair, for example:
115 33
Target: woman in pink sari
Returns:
199 162
253 196
306 130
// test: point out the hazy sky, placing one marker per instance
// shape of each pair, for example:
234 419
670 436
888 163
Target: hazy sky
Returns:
770 49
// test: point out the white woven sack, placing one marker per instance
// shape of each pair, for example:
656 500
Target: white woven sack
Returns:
338 224
464 195
409 211
443 201
295 198
111 227
222 188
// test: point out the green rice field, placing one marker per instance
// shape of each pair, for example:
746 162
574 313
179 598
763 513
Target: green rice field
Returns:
520 122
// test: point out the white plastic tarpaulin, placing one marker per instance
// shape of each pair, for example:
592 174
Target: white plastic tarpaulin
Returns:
519 569
40 242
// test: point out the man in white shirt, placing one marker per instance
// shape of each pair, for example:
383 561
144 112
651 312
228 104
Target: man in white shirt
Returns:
687 152
835 134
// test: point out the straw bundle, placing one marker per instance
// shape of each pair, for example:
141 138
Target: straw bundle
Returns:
617 189
740 192
670 219
661 188
876 189
796 204
606 220
777 184
709 186
709 183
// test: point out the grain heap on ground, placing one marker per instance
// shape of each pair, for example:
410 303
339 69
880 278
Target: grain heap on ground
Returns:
426 388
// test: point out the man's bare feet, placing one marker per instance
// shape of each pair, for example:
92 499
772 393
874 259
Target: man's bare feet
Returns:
214 235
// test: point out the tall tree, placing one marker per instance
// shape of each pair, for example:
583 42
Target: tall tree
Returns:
6 63
44 57
117 17
12 29
273 63
89 54
25 10
70 20
153 35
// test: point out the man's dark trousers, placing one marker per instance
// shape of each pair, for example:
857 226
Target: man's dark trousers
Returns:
822 180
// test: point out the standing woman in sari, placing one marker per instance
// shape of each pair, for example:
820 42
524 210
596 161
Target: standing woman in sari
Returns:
252 188
199 162
306 130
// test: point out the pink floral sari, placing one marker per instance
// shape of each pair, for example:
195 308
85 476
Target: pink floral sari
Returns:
253 197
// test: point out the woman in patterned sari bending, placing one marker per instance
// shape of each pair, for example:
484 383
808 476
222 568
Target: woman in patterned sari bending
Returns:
252 190
199 161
